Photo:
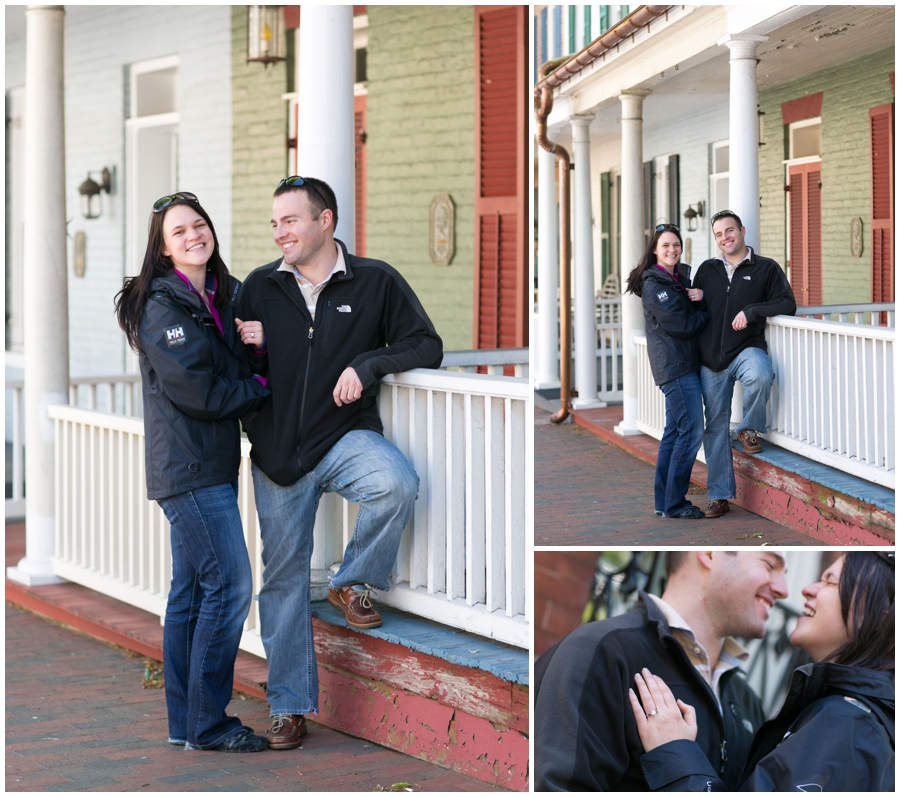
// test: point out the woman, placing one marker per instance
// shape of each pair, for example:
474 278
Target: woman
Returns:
672 320
835 731
178 314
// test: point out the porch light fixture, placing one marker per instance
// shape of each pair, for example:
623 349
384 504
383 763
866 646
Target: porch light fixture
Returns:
91 207
692 215
265 34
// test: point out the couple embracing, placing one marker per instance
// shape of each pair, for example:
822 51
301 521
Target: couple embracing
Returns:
654 699
296 353
701 338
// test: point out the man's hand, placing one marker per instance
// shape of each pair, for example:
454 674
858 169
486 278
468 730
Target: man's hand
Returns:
695 294
740 321
659 716
348 388
251 332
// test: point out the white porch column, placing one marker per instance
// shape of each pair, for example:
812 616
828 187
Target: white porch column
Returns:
743 132
325 141
546 347
45 289
584 305
632 249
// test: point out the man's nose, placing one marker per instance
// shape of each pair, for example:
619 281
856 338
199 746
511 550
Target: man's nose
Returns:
780 587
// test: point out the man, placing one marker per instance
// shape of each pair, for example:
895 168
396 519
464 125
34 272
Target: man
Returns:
742 290
585 735
333 325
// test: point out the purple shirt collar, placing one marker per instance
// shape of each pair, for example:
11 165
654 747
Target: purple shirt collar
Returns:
674 274
212 285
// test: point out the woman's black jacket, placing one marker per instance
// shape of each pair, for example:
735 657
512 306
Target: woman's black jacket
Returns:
195 389
835 732
672 321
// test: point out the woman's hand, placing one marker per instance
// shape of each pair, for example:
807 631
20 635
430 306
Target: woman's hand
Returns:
662 718
695 294
251 332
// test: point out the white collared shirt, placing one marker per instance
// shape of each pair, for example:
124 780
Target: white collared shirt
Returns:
729 269
311 292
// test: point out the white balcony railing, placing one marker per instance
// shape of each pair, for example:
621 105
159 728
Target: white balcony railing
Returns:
462 559
833 396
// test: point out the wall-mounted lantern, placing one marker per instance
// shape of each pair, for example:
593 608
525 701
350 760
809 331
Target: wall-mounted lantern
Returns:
692 215
265 34
91 206
761 126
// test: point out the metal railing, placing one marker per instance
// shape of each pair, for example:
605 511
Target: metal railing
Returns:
870 314
833 396
462 559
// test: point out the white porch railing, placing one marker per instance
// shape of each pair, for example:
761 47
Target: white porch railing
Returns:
833 396
462 559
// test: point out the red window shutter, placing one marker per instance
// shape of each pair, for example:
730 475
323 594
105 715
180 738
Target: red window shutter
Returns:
806 233
881 137
359 107
500 317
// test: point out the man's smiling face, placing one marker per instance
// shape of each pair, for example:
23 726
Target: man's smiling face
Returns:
299 236
743 588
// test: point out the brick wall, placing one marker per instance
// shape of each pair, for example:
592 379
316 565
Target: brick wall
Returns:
849 91
563 581
259 152
421 115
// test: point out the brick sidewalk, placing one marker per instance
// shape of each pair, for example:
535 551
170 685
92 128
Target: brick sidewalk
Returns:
77 718
588 492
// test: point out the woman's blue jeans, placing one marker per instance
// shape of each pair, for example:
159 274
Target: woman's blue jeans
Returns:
679 445
212 589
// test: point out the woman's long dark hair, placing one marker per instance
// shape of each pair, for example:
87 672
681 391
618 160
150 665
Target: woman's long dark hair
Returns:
867 606
634 283
131 299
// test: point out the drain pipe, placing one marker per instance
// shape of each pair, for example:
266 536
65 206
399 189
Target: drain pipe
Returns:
543 104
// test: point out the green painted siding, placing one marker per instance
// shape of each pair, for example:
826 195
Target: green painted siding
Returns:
421 142
259 152
849 91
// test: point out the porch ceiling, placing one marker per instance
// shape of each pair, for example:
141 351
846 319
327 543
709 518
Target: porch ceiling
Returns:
825 37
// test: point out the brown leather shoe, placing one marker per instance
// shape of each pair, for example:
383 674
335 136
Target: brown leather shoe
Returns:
356 606
750 441
287 731
716 508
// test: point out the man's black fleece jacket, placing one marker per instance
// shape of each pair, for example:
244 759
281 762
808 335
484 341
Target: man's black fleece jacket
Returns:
368 319
586 738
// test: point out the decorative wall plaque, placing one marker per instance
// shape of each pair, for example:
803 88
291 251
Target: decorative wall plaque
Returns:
856 237
441 230
78 254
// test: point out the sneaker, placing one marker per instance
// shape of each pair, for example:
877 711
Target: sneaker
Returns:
244 741
690 513
658 513
750 440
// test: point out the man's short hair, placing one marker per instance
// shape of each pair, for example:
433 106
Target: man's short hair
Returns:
725 214
318 193
675 559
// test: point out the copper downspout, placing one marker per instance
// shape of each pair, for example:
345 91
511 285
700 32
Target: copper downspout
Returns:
543 104
623 29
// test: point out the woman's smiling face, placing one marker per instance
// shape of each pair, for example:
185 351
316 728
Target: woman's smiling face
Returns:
821 630
668 250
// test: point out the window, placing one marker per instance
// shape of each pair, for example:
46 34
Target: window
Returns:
805 139
15 219
151 147
718 184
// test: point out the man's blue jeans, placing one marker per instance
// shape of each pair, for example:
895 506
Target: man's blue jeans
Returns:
679 445
210 597
363 467
753 369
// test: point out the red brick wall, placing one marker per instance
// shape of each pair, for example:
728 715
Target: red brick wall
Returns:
563 583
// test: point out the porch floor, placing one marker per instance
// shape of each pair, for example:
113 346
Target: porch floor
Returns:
77 717
591 490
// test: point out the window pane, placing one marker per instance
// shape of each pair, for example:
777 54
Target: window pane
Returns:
157 92
806 141
720 159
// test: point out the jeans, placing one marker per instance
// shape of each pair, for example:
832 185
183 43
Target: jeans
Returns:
363 467
679 445
210 597
753 368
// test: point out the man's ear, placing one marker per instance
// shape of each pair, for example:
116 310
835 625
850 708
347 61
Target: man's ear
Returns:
705 559
328 221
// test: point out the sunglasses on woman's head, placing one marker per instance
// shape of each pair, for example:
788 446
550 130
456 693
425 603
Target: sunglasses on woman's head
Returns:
661 227
163 202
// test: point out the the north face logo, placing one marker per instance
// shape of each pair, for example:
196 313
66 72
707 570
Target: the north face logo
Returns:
344 308
175 336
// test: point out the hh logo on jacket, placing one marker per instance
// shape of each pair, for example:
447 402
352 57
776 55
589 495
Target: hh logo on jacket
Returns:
175 336
662 296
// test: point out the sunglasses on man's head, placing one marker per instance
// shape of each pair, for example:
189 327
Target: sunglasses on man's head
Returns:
163 202
298 181
721 215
